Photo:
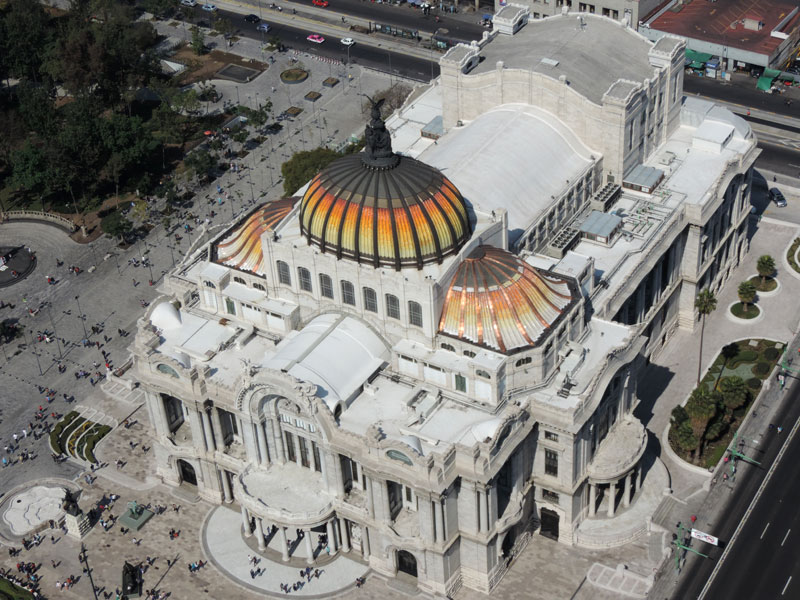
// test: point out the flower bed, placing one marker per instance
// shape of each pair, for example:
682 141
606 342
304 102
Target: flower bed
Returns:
55 434
737 310
751 364
294 75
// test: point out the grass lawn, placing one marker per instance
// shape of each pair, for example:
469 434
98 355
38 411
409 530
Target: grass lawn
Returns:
9 591
790 255
752 311
770 283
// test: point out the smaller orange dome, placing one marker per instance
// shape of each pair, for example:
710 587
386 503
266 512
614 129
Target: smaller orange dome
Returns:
498 300
242 248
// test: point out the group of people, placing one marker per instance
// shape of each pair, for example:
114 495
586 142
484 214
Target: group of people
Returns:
306 575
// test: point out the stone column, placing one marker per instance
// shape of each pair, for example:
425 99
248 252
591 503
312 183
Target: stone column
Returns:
592 499
626 500
216 426
439 516
210 445
491 506
260 533
226 485
309 546
249 439
277 441
638 478
331 538
262 443
612 492
345 535
387 505
365 543
370 497
323 465
158 412
246 523
484 510
284 543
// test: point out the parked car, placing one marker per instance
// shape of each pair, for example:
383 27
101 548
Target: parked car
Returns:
209 8
777 197
263 27
189 2
252 19
348 41
322 3
316 38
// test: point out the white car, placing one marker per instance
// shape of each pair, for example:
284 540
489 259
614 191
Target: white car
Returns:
348 41
209 8
191 3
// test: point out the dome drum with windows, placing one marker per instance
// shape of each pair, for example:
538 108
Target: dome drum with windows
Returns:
384 209
498 300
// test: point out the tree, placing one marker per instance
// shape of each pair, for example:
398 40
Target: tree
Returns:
765 267
730 351
198 40
701 409
735 394
25 34
394 97
299 169
200 162
685 438
159 8
747 293
115 224
127 141
705 303
224 26
31 172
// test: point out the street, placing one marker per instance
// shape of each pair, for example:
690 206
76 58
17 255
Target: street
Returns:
764 555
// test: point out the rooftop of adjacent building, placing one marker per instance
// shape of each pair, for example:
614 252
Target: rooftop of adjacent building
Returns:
592 52
745 24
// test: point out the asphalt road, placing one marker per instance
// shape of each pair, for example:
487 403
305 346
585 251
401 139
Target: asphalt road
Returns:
760 562
742 90
362 54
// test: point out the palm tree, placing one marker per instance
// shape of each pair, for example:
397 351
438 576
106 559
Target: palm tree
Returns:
701 408
705 303
765 267
747 293
734 394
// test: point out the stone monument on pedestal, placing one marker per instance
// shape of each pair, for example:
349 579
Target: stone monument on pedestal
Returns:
135 516
77 523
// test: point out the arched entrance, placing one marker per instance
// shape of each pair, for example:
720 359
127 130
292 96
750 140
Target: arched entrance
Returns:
549 519
406 563
508 542
186 472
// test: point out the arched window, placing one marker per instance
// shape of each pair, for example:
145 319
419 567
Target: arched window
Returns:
523 361
415 314
239 280
284 275
258 286
392 306
304 279
482 373
469 353
370 300
348 293
209 284
325 285
449 347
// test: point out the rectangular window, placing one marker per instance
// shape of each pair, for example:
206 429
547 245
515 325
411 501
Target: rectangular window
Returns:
230 306
392 306
549 495
303 451
289 438
551 463
549 435
325 286
370 300
461 383
317 457
348 293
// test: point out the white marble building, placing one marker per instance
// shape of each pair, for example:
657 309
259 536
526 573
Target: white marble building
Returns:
430 355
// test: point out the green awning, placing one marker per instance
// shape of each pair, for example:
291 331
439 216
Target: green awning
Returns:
771 73
700 57
764 83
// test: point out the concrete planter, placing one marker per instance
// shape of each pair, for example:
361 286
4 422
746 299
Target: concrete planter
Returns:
734 319
774 292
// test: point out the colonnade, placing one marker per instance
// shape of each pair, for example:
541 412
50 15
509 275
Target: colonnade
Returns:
632 482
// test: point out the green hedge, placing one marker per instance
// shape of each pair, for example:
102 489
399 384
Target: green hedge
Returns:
754 383
55 434
747 356
761 369
91 442
772 354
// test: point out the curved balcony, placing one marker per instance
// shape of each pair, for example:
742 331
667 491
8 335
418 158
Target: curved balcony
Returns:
619 452
286 495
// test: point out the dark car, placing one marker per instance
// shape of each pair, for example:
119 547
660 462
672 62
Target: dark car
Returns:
777 197
252 18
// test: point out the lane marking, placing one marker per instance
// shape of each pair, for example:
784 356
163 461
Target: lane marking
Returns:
786 536
763 532
786 586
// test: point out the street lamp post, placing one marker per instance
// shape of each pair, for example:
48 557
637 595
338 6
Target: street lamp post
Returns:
94 253
85 560
80 316
55 334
